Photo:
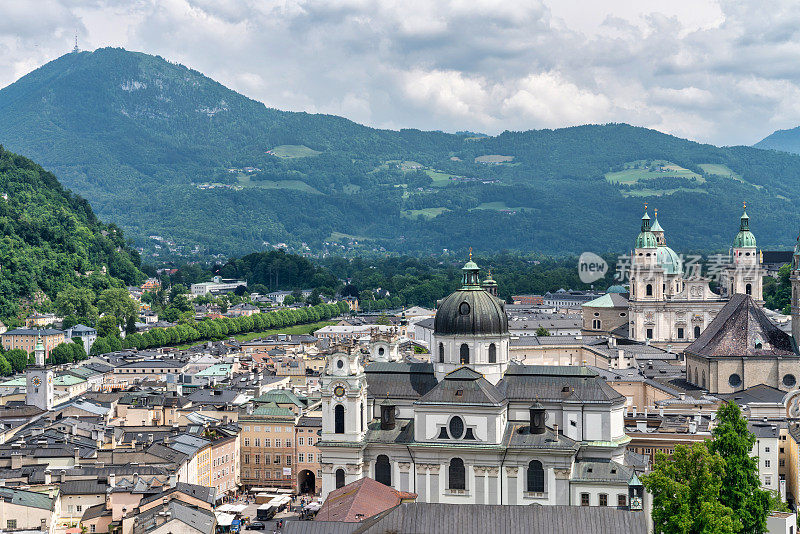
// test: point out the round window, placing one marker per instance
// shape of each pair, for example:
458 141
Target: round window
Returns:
596 314
456 427
339 363
734 380
463 309
381 351
789 380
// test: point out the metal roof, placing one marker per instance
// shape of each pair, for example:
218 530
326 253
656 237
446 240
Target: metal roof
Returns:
464 386
471 312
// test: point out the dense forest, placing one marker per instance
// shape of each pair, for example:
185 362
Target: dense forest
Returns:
52 240
189 168
408 281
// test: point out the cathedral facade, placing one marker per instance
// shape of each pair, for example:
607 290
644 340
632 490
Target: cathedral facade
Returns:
671 303
471 426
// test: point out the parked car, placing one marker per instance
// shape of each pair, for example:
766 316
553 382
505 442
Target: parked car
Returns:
256 525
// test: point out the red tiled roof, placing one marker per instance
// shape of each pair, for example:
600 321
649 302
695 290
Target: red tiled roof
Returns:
359 500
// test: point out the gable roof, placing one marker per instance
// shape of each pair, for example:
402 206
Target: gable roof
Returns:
741 329
464 386
359 500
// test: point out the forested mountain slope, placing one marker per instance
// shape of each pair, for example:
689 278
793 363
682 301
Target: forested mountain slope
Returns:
784 140
51 239
163 151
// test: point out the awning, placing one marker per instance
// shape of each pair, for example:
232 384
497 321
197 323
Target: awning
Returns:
223 519
232 508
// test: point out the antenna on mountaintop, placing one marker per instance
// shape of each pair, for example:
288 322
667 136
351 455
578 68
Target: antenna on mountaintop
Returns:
76 49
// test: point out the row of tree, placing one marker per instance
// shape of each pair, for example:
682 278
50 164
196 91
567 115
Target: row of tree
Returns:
215 329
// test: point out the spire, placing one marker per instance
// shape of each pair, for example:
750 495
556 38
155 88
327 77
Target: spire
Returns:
744 225
645 220
646 238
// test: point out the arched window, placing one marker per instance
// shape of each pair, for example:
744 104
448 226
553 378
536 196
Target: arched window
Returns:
362 417
596 324
649 290
696 332
383 470
338 419
441 352
704 379
535 476
457 475
748 289
492 353
464 353
339 478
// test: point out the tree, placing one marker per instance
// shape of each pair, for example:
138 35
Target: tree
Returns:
686 493
542 331
100 346
118 302
76 302
107 326
78 351
741 487
62 353
18 359
5 367
288 300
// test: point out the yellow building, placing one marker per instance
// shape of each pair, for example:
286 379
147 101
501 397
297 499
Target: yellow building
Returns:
26 338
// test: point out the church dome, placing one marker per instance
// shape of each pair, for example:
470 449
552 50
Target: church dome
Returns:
668 260
616 289
745 238
470 311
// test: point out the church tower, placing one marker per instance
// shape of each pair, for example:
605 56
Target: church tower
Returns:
795 305
345 416
745 271
470 329
39 390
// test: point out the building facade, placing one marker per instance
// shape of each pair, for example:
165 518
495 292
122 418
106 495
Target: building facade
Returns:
471 427
672 307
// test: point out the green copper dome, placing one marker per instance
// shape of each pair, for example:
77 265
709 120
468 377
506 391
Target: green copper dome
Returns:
668 260
646 238
745 238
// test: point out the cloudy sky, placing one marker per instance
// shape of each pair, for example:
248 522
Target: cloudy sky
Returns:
725 72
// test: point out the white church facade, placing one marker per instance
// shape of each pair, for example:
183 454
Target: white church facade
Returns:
671 307
471 426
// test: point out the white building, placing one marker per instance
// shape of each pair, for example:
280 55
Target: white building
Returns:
671 307
86 334
471 427
217 286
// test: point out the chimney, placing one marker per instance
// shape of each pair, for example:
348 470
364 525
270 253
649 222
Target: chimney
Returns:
77 455
537 415
16 460
149 438
555 429
173 480
48 477
135 478
387 415
692 427
112 480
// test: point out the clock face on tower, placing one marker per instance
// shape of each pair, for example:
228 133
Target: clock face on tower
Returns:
37 381
339 391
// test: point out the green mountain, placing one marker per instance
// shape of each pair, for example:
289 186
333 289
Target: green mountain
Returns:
164 151
51 239
783 140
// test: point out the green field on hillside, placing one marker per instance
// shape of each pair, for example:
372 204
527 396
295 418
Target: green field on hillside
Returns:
297 185
428 213
294 151
497 206
636 171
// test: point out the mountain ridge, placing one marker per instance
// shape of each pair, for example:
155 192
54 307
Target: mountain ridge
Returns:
164 151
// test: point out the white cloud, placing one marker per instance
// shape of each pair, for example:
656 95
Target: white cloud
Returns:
719 71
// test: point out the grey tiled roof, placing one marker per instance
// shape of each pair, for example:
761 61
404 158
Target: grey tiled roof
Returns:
517 435
399 380
600 471
523 382
464 386
736 329
460 518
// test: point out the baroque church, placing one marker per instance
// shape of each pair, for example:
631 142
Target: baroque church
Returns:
671 307
471 426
